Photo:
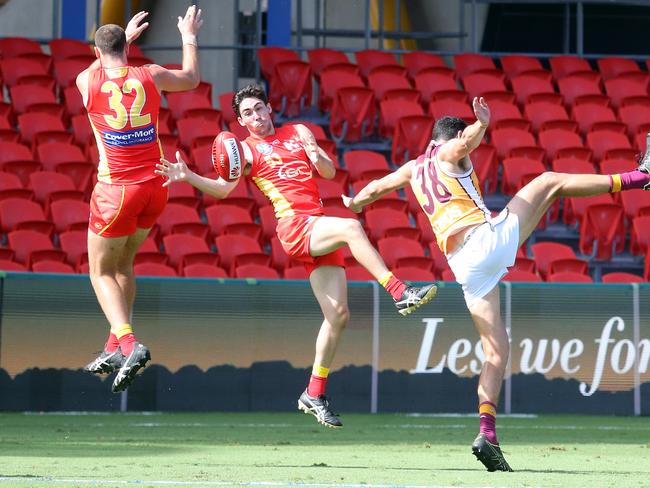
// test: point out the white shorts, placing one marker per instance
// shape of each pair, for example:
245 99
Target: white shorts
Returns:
485 256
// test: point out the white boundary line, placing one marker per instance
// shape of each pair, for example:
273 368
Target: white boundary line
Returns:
213 483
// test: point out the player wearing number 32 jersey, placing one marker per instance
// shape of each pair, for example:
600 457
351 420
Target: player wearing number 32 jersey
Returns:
123 104
480 248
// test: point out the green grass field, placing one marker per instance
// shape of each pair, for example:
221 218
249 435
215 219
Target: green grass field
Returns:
284 449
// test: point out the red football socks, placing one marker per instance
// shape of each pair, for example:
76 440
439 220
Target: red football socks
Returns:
317 381
111 343
126 338
393 286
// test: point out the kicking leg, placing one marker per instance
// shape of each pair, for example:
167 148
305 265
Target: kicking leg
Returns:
486 314
330 233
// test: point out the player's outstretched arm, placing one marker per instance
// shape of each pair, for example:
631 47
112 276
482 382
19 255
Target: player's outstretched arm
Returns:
189 76
178 171
318 157
456 149
378 188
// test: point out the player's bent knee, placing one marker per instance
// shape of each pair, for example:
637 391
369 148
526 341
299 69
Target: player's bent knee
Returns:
339 316
353 229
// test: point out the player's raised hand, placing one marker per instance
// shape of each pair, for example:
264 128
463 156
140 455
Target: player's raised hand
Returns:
191 23
134 28
172 171
481 110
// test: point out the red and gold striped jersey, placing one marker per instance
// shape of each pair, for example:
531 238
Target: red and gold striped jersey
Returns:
283 172
123 105
452 202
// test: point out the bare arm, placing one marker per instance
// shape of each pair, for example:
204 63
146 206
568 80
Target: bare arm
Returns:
133 30
456 149
175 172
318 157
188 77
378 188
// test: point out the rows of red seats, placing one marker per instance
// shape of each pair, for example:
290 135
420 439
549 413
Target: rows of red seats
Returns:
183 128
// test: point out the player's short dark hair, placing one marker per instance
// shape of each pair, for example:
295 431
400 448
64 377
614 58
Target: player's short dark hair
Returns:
249 91
447 128
110 39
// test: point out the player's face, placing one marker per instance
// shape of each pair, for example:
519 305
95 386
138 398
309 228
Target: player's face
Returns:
256 116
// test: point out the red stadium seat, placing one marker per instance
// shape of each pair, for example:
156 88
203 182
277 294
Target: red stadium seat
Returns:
257 271
154 269
83 132
69 214
74 243
353 113
633 201
568 265
369 59
610 166
514 65
429 83
526 85
67 70
391 111
11 47
209 116
380 83
24 96
575 86
471 63
412 134
603 141
225 104
203 270
506 115
442 108
320 58
546 252
357 161
591 116
180 102
411 273
270 56
620 277
636 117
191 131
66 48
296 273
8 265
504 140
568 277
618 89
612 67
48 266
521 276
416 61
481 84
602 231
13 151
16 69
562 66
640 235
32 124
31 246
51 154
184 249
185 195
49 186
524 264
332 81
393 249
18 213
73 103
231 247
379 220
514 172
290 88
486 166
554 140
12 187
542 114
575 208
220 216
177 218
